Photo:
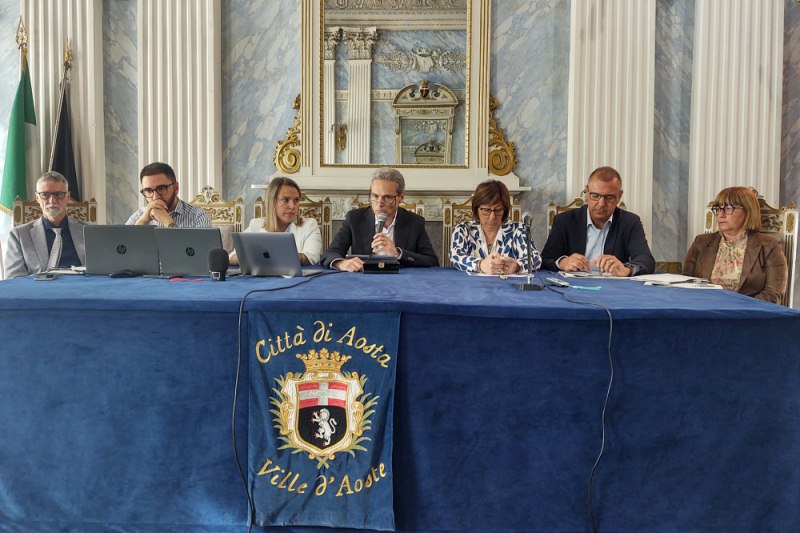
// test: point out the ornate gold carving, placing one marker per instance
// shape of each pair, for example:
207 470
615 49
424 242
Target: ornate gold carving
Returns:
22 35
67 57
287 153
341 136
222 212
323 361
502 154
28 210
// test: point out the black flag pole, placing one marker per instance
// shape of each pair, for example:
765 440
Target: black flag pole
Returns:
62 157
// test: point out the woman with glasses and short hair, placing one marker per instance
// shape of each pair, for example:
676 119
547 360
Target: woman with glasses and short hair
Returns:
282 213
738 256
490 244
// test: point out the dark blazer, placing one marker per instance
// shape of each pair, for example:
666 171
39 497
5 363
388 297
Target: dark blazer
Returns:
27 247
626 240
764 270
358 229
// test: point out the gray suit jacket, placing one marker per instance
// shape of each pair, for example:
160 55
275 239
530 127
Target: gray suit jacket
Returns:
27 247
764 271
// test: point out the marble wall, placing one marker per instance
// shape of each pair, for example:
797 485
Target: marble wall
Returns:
672 103
9 68
120 101
790 138
530 79
260 80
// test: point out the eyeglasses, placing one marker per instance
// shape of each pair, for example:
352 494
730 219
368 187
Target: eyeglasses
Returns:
46 195
497 211
386 198
727 209
609 198
147 192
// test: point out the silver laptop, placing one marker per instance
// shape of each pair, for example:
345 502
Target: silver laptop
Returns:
268 254
184 251
112 249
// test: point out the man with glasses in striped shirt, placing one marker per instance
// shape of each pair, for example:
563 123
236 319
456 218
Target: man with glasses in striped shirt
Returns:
164 208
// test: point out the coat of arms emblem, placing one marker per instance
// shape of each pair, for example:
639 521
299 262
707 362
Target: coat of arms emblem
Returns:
322 411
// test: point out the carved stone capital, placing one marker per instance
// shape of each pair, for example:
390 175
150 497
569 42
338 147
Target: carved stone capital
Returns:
359 41
332 37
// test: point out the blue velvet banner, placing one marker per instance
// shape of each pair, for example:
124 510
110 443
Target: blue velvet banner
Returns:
320 432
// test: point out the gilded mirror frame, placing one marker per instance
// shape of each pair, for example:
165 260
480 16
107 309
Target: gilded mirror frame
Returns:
428 180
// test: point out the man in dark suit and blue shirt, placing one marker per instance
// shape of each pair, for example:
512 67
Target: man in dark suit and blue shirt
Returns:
52 241
403 235
599 235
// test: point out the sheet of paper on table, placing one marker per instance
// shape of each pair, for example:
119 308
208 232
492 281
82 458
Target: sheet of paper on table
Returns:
675 280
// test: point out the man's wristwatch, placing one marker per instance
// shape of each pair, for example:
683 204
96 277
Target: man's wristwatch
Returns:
634 268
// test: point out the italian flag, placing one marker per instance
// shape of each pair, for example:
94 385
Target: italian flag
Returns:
23 162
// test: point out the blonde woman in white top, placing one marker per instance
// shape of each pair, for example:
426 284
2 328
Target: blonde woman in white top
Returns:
282 213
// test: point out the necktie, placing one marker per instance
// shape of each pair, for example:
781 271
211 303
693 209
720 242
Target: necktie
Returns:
55 251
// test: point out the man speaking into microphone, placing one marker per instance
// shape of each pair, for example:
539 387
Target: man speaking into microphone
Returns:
383 230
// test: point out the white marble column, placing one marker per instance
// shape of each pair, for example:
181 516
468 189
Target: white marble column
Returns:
736 101
612 53
359 45
180 69
332 38
50 25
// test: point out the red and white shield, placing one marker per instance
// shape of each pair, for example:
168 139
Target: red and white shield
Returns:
322 412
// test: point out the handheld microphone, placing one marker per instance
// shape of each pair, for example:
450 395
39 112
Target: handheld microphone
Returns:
218 264
527 219
380 221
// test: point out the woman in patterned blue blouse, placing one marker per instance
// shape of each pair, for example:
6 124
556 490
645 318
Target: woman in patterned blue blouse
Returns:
490 244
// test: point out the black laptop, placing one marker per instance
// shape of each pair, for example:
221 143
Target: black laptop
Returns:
184 251
111 249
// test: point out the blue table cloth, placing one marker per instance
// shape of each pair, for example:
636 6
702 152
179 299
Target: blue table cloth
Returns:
116 394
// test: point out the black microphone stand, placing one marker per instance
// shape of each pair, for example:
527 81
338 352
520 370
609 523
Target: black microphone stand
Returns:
529 285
